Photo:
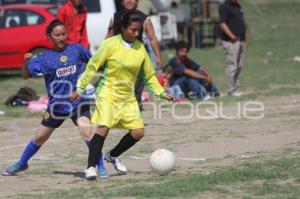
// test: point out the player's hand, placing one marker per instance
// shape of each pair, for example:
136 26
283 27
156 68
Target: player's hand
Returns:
169 97
27 57
75 95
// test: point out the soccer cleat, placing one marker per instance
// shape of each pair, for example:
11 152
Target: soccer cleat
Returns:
116 162
90 173
13 169
103 173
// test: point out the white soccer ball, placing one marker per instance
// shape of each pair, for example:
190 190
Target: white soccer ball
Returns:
162 161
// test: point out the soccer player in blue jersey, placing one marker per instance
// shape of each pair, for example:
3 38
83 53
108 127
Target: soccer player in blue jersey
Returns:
61 67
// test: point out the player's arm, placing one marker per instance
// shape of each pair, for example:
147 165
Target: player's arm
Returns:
94 64
151 80
149 29
25 71
110 31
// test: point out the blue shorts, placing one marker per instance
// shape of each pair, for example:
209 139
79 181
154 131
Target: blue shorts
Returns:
54 120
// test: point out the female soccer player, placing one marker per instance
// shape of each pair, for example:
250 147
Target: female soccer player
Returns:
120 58
148 37
61 67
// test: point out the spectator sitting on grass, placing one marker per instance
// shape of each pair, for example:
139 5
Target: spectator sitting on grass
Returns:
190 76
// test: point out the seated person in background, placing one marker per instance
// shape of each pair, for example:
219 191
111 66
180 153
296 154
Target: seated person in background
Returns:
164 79
190 76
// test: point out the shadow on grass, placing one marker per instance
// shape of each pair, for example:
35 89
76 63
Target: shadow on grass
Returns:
10 73
68 173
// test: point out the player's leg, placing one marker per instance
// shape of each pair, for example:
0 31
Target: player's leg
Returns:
49 123
32 147
85 128
127 141
95 150
130 119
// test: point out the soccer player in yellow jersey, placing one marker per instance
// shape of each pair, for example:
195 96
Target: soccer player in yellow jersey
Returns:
120 58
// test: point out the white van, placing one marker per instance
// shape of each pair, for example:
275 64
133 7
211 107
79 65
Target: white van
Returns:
99 15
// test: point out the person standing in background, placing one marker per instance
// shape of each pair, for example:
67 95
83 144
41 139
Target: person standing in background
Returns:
182 19
234 41
148 38
74 15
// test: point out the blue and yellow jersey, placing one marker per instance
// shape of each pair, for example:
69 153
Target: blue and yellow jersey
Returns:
120 66
61 70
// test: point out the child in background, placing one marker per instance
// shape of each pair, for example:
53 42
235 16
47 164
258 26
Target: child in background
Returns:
164 80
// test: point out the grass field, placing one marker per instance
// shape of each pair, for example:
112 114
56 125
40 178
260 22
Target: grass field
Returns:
267 178
243 159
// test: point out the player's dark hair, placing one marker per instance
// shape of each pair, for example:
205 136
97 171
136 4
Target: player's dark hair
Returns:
182 44
52 25
130 17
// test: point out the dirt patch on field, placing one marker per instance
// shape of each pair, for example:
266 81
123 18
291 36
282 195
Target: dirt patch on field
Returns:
199 144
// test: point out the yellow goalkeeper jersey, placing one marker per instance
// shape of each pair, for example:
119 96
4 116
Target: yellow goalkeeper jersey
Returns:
120 66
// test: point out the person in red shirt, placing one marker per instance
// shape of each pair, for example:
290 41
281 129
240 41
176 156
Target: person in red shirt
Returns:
164 80
74 14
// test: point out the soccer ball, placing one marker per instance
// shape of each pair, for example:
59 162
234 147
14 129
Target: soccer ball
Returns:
162 161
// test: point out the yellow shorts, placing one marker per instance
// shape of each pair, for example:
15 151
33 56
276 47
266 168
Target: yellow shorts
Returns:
121 114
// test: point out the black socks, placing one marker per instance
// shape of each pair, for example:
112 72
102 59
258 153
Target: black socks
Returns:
125 143
95 149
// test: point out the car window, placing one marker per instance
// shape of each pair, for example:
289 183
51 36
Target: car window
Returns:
11 2
12 18
34 18
15 18
53 10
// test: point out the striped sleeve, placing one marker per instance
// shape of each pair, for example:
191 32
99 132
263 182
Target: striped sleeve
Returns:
94 64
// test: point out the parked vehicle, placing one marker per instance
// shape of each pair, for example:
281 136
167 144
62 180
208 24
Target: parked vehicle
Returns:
22 29
99 14
19 41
